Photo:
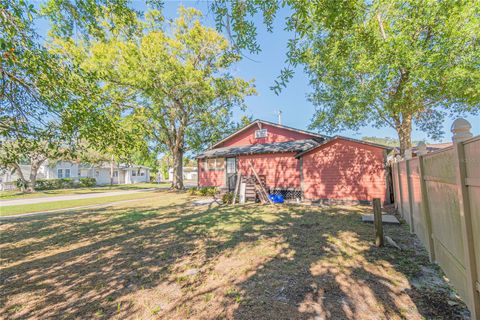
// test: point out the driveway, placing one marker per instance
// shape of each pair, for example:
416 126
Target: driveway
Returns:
69 197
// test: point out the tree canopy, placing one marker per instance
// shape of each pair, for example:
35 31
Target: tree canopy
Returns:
380 63
175 83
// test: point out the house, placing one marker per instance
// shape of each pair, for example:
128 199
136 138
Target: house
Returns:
122 173
189 174
292 161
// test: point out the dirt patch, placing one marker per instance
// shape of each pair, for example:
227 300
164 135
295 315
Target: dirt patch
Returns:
164 258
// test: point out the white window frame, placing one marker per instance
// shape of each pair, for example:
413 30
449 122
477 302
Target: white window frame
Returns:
261 133
69 173
219 164
60 173
134 173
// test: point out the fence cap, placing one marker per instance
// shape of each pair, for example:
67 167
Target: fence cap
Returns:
421 148
461 130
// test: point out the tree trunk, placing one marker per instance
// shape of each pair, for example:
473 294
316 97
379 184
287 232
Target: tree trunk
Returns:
22 177
404 131
33 175
111 172
177 169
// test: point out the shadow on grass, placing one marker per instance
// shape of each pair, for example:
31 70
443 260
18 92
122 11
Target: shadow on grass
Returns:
88 265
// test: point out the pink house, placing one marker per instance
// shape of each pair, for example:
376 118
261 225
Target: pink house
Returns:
315 166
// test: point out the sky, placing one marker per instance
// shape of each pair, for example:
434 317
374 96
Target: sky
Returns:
297 111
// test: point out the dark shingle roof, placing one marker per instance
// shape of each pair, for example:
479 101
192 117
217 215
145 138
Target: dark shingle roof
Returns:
275 147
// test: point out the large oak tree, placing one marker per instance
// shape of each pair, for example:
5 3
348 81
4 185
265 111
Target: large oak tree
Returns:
175 82
382 63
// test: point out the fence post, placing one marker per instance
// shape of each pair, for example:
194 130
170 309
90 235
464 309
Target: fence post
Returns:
400 189
461 132
408 156
422 150
377 222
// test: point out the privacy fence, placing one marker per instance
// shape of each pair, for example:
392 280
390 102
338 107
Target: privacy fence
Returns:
438 195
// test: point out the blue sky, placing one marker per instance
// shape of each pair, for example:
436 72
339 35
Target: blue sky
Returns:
297 111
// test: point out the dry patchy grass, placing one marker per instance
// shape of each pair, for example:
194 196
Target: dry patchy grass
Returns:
163 258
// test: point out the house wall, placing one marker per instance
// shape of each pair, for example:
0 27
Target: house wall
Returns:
209 178
346 170
281 170
51 172
274 134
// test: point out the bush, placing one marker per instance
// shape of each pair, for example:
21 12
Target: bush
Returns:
203 191
21 184
88 182
211 191
52 184
227 198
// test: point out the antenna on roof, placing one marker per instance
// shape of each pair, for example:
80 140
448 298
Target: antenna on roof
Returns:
279 114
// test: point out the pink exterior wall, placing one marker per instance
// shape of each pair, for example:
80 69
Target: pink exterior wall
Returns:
280 169
274 134
344 169
209 178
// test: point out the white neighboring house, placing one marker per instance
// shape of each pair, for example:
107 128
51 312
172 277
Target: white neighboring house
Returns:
189 173
122 173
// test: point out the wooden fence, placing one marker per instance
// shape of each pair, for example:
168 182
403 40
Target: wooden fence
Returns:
438 195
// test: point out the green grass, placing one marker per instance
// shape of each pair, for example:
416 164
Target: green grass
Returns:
56 205
14 194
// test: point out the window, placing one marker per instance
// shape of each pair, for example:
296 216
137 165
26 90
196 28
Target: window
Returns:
134 173
97 173
215 164
115 173
67 173
59 173
262 133
142 173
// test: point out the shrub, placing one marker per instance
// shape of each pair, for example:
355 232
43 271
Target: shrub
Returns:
52 184
227 198
67 183
21 184
43 184
88 182
193 191
211 191
203 191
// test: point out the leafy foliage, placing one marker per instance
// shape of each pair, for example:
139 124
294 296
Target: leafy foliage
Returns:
381 63
174 85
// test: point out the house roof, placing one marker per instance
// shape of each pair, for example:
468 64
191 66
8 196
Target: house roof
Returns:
275 147
342 138
257 121
430 147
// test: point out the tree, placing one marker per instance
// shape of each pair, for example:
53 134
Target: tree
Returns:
176 83
34 152
47 104
385 63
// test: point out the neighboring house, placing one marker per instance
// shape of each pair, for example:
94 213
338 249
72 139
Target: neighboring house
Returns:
189 173
431 147
317 166
122 174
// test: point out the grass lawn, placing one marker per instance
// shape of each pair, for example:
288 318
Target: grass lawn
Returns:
14 194
163 258
55 205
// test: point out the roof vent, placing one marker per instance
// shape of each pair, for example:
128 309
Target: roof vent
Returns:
262 133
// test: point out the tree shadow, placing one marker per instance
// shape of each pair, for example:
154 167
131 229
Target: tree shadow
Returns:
302 262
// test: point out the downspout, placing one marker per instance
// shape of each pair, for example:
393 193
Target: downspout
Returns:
301 177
